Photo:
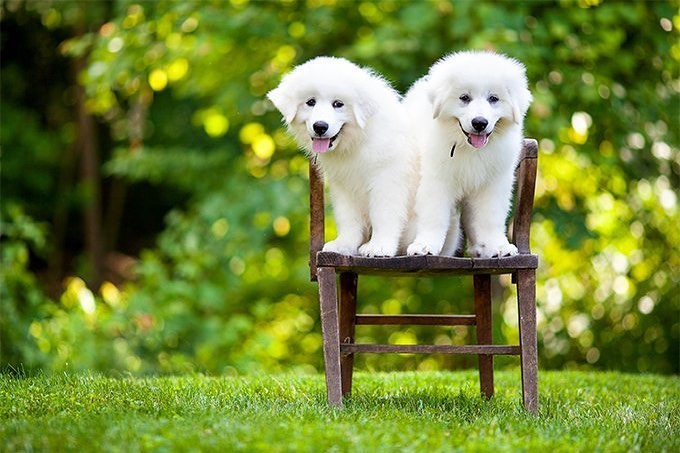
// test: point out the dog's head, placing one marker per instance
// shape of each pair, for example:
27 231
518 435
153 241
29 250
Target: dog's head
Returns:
321 101
480 92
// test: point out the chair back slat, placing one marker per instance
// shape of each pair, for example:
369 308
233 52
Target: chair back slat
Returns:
317 217
524 195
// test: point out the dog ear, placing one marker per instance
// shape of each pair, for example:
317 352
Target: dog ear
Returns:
520 98
287 106
363 111
437 99
517 90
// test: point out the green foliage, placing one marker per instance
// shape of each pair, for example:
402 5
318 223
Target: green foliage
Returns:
21 300
226 287
388 412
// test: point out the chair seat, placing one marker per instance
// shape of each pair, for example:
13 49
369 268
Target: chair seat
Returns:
426 265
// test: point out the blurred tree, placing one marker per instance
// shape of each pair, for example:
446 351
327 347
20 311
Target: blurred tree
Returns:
180 88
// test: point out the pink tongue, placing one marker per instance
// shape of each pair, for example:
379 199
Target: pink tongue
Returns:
478 140
321 145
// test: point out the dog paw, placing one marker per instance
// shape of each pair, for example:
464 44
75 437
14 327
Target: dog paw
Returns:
508 249
492 251
419 248
340 247
376 249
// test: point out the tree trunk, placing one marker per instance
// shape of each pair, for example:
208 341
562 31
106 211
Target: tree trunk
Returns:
90 179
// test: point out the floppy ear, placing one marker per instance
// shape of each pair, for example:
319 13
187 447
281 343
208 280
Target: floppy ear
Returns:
284 103
363 111
520 97
437 99
518 92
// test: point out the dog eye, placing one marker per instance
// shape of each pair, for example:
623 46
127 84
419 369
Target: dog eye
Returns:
465 98
338 104
493 99
311 102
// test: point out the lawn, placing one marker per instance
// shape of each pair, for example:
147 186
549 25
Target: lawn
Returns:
421 412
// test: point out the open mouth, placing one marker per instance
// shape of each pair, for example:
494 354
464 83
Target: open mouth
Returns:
476 140
323 144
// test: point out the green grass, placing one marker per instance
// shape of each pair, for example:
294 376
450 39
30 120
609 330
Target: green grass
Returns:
420 412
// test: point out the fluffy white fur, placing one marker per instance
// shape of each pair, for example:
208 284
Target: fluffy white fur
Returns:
352 122
476 181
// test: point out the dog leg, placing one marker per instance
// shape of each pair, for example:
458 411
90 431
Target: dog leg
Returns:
388 212
350 222
433 208
453 236
485 215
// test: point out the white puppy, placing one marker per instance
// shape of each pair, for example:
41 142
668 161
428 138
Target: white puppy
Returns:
352 122
467 114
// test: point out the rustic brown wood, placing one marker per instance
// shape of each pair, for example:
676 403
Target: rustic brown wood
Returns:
338 309
430 349
316 217
328 298
529 148
526 299
427 265
348 310
482 289
416 320
524 199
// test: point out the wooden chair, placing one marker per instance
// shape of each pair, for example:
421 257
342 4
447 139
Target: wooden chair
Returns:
337 277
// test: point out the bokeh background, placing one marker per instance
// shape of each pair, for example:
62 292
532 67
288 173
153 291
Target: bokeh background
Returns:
154 211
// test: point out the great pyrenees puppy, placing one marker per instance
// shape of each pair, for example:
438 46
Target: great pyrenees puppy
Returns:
467 115
351 121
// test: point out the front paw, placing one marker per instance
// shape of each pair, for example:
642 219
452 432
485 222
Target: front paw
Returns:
483 250
421 248
342 248
375 248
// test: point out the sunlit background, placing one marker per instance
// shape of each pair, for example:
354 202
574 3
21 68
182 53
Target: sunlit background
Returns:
154 210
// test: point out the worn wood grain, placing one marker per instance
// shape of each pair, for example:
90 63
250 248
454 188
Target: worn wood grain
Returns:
482 293
430 349
524 195
316 217
427 265
416 320
526 295
328 298
348 310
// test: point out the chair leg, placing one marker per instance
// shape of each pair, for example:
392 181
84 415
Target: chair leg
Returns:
328 301
348 311
482 285
526 299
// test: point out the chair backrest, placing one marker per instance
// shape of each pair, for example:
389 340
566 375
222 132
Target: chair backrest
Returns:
525 183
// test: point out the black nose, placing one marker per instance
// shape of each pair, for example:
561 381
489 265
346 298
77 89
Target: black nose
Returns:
320 127
479 123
